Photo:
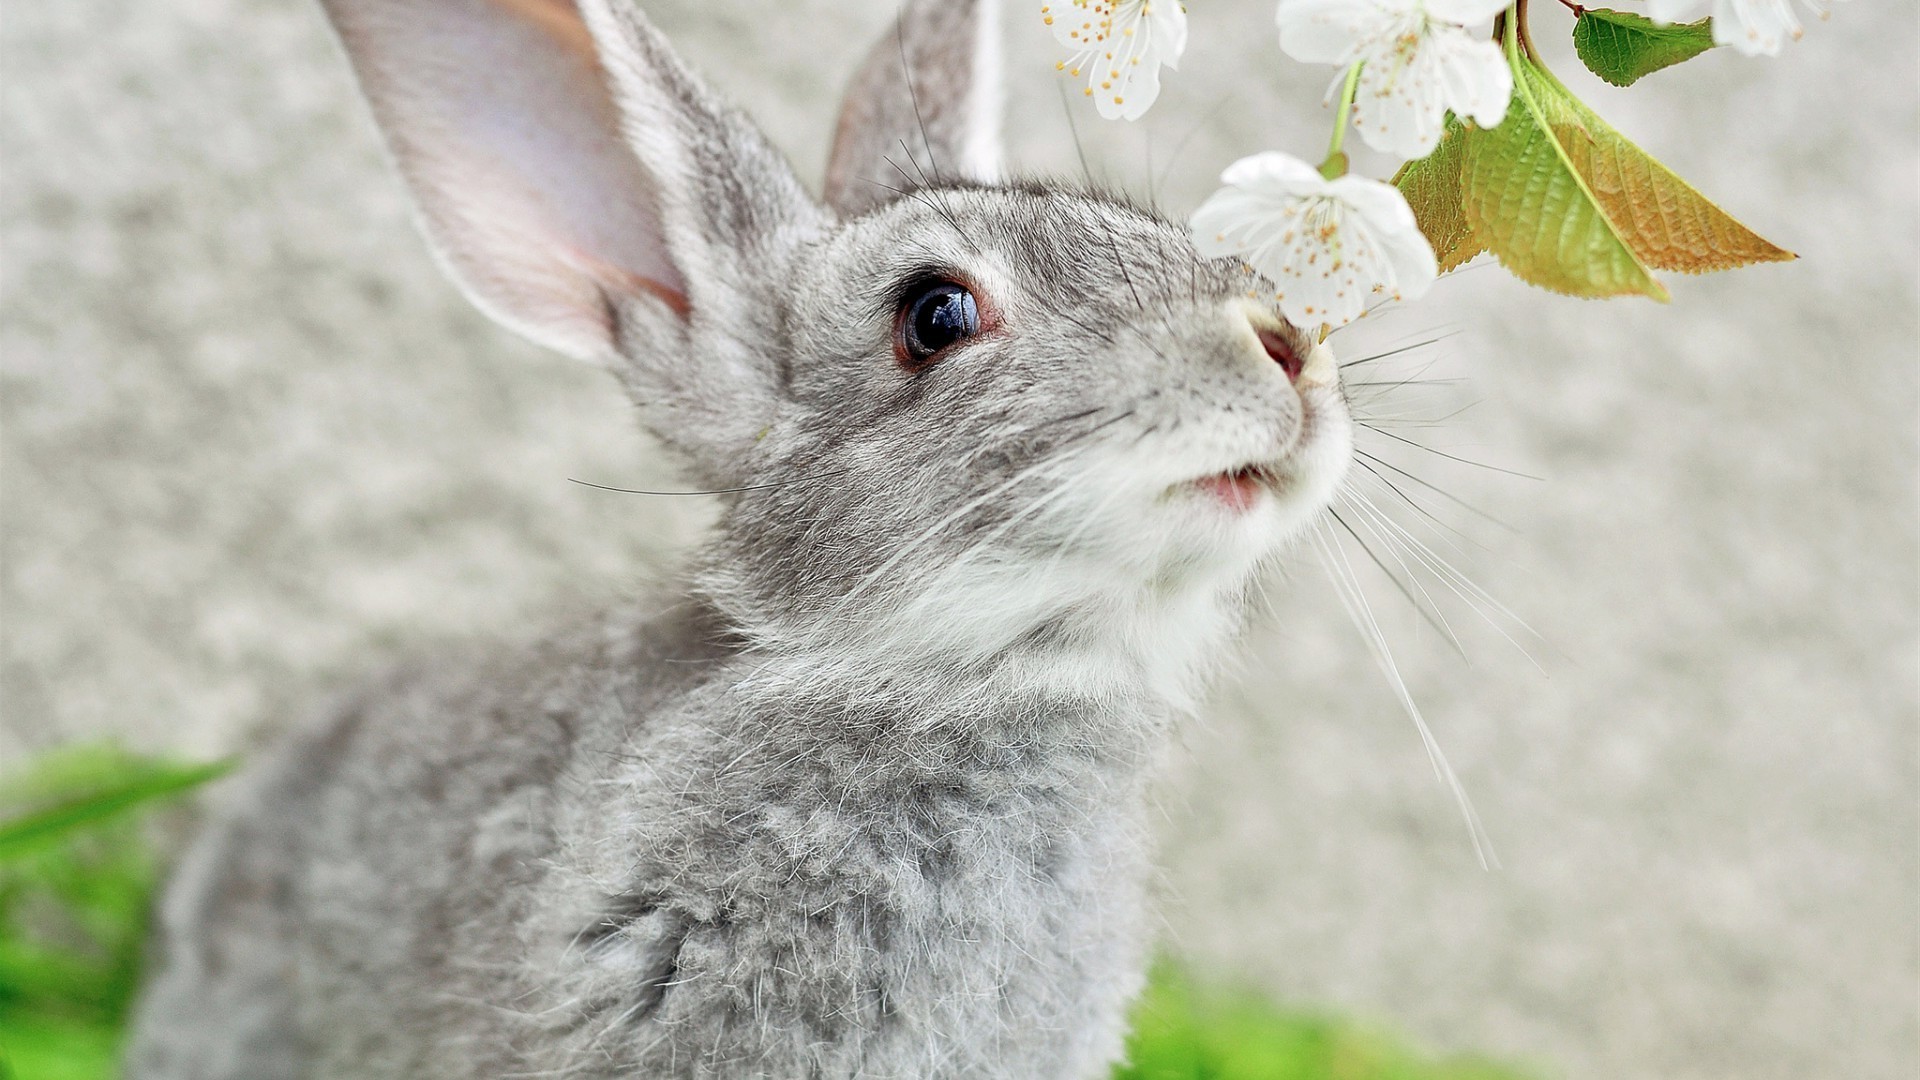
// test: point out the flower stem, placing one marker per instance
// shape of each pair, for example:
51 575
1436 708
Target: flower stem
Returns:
1519 10
1336 164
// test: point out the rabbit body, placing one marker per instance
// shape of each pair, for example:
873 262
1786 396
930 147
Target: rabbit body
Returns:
632 852
862 796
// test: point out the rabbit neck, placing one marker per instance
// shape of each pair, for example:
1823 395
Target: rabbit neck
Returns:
998 635
959 845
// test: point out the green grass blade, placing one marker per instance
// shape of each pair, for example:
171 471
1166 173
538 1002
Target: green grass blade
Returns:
36 828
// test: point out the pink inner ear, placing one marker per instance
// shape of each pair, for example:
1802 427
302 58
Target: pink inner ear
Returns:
621 280
535 101
500 116
558 19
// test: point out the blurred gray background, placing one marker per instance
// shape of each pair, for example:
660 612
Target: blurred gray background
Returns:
254 445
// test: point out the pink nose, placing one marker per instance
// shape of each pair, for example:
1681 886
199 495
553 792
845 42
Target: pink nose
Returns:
1282 353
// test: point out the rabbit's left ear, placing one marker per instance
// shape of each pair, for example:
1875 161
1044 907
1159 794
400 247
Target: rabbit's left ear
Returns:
569 169
926 101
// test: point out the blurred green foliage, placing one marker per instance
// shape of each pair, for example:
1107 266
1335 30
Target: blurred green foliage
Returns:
1184 1032
76 880
77 873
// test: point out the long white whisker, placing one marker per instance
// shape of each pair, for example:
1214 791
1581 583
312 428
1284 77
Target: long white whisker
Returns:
1473 594
1448 577
1393 552
1347 587
1442 531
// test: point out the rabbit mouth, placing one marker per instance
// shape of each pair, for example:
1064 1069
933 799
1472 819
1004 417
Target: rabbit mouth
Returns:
1238 489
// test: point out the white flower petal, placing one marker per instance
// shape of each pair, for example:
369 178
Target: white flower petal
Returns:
1327 247
1677 11
1754 27
1273 171
1170 26
1465 12
1400 108
1404 246
1478 83
1327 31
1118 48
1417 63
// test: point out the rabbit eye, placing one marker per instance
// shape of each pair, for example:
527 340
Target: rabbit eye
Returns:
935 316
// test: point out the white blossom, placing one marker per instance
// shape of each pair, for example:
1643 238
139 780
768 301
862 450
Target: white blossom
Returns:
1420 61
1753 27
1119 47
1329 246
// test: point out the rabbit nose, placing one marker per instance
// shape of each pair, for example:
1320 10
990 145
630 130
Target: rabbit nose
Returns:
1282 353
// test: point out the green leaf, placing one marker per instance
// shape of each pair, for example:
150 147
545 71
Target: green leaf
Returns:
89 796
1431 186
1622 47
1528 203
76 880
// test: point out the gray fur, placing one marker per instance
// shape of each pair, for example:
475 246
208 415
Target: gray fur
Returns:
863 795
926 100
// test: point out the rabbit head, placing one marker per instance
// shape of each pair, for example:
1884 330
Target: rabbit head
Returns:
949 414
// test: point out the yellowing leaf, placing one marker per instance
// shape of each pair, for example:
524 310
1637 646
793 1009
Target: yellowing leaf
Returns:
1527 202
1565 202
1669 225
1431 186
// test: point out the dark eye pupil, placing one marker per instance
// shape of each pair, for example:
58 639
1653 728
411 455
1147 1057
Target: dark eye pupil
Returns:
940 316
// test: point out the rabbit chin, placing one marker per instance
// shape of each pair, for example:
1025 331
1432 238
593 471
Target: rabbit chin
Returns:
1128 581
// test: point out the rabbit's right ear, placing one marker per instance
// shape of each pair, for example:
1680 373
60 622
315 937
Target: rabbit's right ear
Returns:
926 101
572 173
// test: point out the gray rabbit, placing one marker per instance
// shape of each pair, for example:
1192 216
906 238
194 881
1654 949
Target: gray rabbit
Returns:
863 795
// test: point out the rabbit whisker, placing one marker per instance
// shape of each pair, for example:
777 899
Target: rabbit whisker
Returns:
973 504
1153 203
1386 387
1392 383
1430 611
1061 549
1354 600
1437 490
911 191
1449 457
1198 126
913 93
1436 339
933 530
1472 594
1089 328
913 160
1108 338
713 491
1432 518
1073 129
1113 245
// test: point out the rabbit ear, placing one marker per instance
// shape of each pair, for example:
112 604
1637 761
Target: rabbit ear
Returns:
932 83
559 158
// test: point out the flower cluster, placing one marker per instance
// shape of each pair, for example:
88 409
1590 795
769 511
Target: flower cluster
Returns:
1118 47
1330 243
1417 58
1330 246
